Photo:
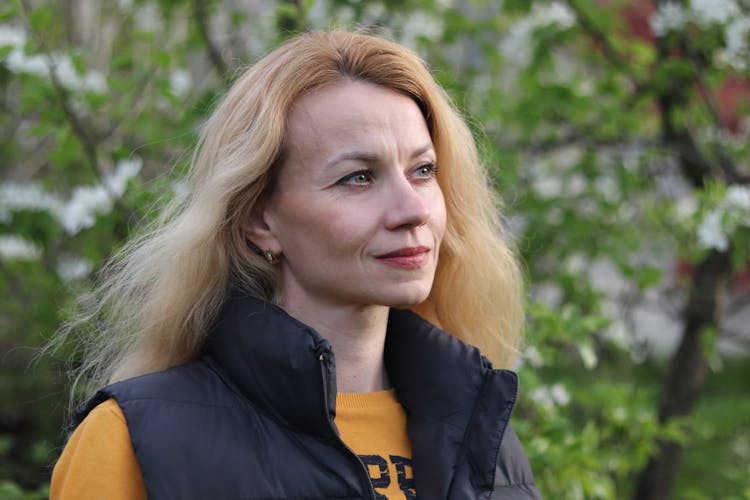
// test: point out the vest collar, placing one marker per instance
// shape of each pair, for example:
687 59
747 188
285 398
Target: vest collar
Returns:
276 362
455 402
288 370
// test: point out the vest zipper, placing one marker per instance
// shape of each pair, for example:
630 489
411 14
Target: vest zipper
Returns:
324 371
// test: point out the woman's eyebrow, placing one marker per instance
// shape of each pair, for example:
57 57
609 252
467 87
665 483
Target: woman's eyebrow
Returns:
422 150
363 156
369 157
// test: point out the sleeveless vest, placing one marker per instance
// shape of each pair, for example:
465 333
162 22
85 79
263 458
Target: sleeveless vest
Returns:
253 417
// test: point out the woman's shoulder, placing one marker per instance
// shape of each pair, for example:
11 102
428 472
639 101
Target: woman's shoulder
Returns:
177 382
99 460
200 382
106 417
148 403
107 413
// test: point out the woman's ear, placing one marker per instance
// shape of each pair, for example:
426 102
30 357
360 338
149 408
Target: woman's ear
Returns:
259 233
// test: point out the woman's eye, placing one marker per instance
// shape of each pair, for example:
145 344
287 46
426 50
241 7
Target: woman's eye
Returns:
426 171
359 178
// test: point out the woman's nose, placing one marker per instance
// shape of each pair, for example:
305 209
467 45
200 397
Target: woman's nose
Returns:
407 206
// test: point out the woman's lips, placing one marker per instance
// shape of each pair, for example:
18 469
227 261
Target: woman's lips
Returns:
407 257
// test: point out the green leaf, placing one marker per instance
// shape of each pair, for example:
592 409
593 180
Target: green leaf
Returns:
41 18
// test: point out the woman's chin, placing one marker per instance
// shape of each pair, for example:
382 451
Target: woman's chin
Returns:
408 298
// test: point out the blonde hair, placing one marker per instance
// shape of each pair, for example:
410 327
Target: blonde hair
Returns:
159 295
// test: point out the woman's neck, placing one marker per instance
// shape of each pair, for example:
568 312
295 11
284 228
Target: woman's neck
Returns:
357 334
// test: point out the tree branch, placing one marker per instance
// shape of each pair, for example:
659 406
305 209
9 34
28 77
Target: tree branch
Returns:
688 367
611 54
728 167
87 140
214 54
135 96
90 147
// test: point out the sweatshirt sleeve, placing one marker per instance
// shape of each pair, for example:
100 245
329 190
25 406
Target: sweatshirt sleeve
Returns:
99 461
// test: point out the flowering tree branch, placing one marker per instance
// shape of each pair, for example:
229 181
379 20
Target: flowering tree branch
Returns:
81 130
703 312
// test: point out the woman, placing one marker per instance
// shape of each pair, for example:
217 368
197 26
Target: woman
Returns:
338 205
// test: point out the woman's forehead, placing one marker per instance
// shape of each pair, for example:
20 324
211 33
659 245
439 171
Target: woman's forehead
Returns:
354 112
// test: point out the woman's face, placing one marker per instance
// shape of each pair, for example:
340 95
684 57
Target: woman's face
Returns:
357 214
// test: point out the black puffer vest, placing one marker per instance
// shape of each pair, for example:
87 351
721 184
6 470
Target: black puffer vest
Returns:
253 417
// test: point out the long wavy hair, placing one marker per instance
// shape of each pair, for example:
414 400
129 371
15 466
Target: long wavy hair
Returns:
157 298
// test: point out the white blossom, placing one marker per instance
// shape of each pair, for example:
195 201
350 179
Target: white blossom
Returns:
549 397
533 357
89 201
711 233
553 13
708 12
11 36
608 187
146 17
575 185
716 226
13 247
516 45
80 211
180 82
737 34
15 196
670 16
584 87
547 174
547 186
738 200
73 268
560 394
124 171
68 76
618 334
420 24
625 212
17 61
736 52
83 206
588 356
548 293
577 263
319 14
741 447
373 11
686 206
